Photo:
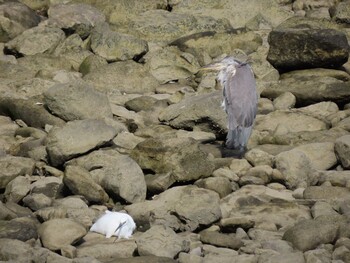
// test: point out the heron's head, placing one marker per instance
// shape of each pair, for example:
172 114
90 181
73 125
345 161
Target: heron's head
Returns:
228 64
225 67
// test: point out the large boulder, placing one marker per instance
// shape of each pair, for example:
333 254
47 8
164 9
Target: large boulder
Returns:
215 44
181 208
308 234
125 76
36 40
12 167
80 182
321 155
171 64
182 157
76 101
287 48
115 46
22 228
118 174
288 122
78 17
45 65
270 12
149 242
258 204
31 111
293 45
311 86
15 18
76 138
105 250
295 167
161 25
59 233
342 13
203 111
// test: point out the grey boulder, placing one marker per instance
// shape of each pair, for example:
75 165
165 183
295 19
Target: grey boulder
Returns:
203 111
125 76
58 233
181 208
294 48
80 182
171 244
76 138
182 156
36 40
115 46
12 167
118 174
76 101
79 17
15 18
308 234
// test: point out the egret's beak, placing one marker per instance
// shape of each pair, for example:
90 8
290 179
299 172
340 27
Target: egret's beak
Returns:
213 67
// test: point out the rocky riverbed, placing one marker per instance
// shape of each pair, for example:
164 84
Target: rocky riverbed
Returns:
103 106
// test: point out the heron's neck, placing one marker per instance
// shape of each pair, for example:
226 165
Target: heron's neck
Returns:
222 78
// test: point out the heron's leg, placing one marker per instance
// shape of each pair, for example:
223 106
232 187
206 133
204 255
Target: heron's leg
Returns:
119 227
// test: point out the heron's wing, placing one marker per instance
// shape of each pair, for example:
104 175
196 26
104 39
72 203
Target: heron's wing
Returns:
240 97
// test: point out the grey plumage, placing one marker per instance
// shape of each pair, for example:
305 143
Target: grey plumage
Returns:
240 100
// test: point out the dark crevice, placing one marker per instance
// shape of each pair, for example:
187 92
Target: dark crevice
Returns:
8 51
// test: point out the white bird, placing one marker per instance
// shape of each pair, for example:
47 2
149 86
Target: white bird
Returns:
116 224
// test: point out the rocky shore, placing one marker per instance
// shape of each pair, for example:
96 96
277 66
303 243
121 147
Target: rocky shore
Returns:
103 106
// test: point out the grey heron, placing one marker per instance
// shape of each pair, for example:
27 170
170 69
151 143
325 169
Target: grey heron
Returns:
240 100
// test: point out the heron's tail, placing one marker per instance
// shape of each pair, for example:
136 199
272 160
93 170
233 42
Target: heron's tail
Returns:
238 138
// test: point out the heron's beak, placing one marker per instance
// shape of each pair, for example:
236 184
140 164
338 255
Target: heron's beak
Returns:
213 67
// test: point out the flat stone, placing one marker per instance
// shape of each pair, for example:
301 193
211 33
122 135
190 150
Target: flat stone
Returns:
107 250
22 228
221 239
258 204
290 121
326 192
